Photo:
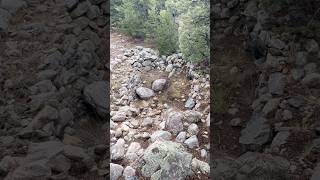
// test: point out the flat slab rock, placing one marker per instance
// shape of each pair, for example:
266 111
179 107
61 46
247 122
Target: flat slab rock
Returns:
95 94
251 165
257 132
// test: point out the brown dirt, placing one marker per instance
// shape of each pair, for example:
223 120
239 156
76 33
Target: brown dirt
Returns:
238 88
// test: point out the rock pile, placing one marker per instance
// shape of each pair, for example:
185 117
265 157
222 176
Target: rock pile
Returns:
68 85
151 136
286 58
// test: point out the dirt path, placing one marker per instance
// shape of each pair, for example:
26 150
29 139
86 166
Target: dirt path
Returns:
174 96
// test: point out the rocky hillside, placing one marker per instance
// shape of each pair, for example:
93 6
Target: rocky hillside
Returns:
267 61
53 103
159 115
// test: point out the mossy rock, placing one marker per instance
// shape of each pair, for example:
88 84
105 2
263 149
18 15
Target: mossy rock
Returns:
166 160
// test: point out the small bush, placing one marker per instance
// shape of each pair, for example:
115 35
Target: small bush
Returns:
166 34
134 17
194 34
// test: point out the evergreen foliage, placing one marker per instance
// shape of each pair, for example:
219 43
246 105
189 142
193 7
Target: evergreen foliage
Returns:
174 25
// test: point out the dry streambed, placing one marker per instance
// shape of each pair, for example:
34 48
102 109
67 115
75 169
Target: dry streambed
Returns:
159 117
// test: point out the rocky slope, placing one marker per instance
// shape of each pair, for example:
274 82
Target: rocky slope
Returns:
159 115
274 129
53 99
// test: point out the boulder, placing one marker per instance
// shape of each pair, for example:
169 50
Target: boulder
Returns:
144 93
159 84
95 94
166 160
173 121
256 133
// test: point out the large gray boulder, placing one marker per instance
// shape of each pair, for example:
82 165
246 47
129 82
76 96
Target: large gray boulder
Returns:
256 133
166 160
95 94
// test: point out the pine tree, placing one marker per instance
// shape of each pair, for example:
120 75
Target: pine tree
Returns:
166 34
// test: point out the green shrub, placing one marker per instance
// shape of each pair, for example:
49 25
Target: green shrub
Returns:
194 41
166 34
172 24
134 17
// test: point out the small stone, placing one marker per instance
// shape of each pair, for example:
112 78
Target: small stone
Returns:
6 164
117 150
159 84
147 121
160 135
129 173
169 68
234 70
279 139
311 80
297 74
202 166
144 93
277 83
192 142
181 137
235 122
71 4
133 150
74 152
301 58
310 68
312 46
173 121
189 103
115 171
81 9
192 116
233 111
287 115
271 106
193 129
296 101
203 153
